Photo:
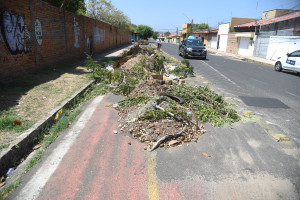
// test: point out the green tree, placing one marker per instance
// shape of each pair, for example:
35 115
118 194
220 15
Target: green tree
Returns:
167 34
105 11
198 27
74 6
155 35
144 31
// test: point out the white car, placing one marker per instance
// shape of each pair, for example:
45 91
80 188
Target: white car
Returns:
291 61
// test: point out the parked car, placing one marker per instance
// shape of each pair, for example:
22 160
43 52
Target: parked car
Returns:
192 48
291 61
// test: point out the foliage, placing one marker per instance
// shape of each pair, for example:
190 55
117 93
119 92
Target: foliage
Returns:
198 27
144 31
208 106
6 124
143 42
6 190
167 34
169 38
155 35
105 11
158 61
74 6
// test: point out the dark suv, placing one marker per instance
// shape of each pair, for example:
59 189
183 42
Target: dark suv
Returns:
192 48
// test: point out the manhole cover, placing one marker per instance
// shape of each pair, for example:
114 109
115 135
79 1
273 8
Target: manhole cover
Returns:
263 102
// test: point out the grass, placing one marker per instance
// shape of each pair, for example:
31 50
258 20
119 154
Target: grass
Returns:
6 124
5 191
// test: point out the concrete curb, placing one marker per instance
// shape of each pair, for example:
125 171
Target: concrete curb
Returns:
22 146
246 59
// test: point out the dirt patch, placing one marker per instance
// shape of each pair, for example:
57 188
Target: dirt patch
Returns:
30 98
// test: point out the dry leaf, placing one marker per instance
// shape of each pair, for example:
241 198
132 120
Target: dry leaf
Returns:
17 122
206 154
172 142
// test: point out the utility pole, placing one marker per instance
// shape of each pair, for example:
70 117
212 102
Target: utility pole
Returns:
192 27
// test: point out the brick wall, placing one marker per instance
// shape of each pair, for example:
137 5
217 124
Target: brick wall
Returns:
232 44
35 34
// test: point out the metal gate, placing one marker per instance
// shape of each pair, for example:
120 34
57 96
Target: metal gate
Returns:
261 46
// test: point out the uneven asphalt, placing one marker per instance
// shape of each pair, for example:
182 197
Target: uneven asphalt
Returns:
90 161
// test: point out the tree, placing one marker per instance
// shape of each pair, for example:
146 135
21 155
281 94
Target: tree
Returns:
167 34
198 27
105 11
74 6
144 31
155 35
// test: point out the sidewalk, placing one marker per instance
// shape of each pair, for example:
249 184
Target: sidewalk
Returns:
254 59
25 141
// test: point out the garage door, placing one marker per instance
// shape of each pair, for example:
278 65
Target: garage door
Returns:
244 46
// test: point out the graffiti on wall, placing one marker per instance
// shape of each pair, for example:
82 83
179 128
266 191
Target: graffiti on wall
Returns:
102 35
38 32
96 35
76 33
14 32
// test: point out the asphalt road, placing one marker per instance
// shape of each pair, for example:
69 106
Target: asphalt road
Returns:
89 161
274 96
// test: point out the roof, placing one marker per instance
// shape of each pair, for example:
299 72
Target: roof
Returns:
269 21
174 35
213 30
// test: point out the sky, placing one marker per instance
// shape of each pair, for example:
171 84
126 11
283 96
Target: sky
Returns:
166 15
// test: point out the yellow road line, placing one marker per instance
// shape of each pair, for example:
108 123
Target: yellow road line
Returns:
152 180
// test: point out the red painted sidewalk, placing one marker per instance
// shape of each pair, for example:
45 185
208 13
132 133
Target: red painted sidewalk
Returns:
100 164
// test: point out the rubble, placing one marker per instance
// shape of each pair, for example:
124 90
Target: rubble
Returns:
160 109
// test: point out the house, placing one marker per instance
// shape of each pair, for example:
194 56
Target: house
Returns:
236 42
273 37
209 37
223 36
175 38
276 13
185 33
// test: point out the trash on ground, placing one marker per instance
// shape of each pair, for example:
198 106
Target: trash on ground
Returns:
9 171
206 154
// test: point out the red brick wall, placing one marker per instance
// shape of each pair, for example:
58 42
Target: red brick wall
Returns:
61 36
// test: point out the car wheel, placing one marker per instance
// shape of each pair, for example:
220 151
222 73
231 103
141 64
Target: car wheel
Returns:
278 66
184 54
179 52
204 58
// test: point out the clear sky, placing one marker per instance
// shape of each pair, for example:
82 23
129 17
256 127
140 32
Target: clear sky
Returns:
166 15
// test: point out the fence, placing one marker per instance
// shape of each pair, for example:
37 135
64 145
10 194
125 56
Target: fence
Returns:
35 34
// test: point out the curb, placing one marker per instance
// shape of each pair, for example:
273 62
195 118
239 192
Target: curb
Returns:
243 58
22 146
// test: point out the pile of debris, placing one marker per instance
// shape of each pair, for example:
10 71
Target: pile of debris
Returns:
155 122
160 109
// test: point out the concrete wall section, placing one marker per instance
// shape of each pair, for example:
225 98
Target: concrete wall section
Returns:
281 45
35 34
261 46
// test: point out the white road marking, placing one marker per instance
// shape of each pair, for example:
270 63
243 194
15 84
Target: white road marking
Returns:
32 189
228 79
292 94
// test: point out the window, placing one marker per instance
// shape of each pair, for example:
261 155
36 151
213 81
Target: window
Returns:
295 54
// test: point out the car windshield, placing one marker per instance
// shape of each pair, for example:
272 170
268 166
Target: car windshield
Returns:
194 43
